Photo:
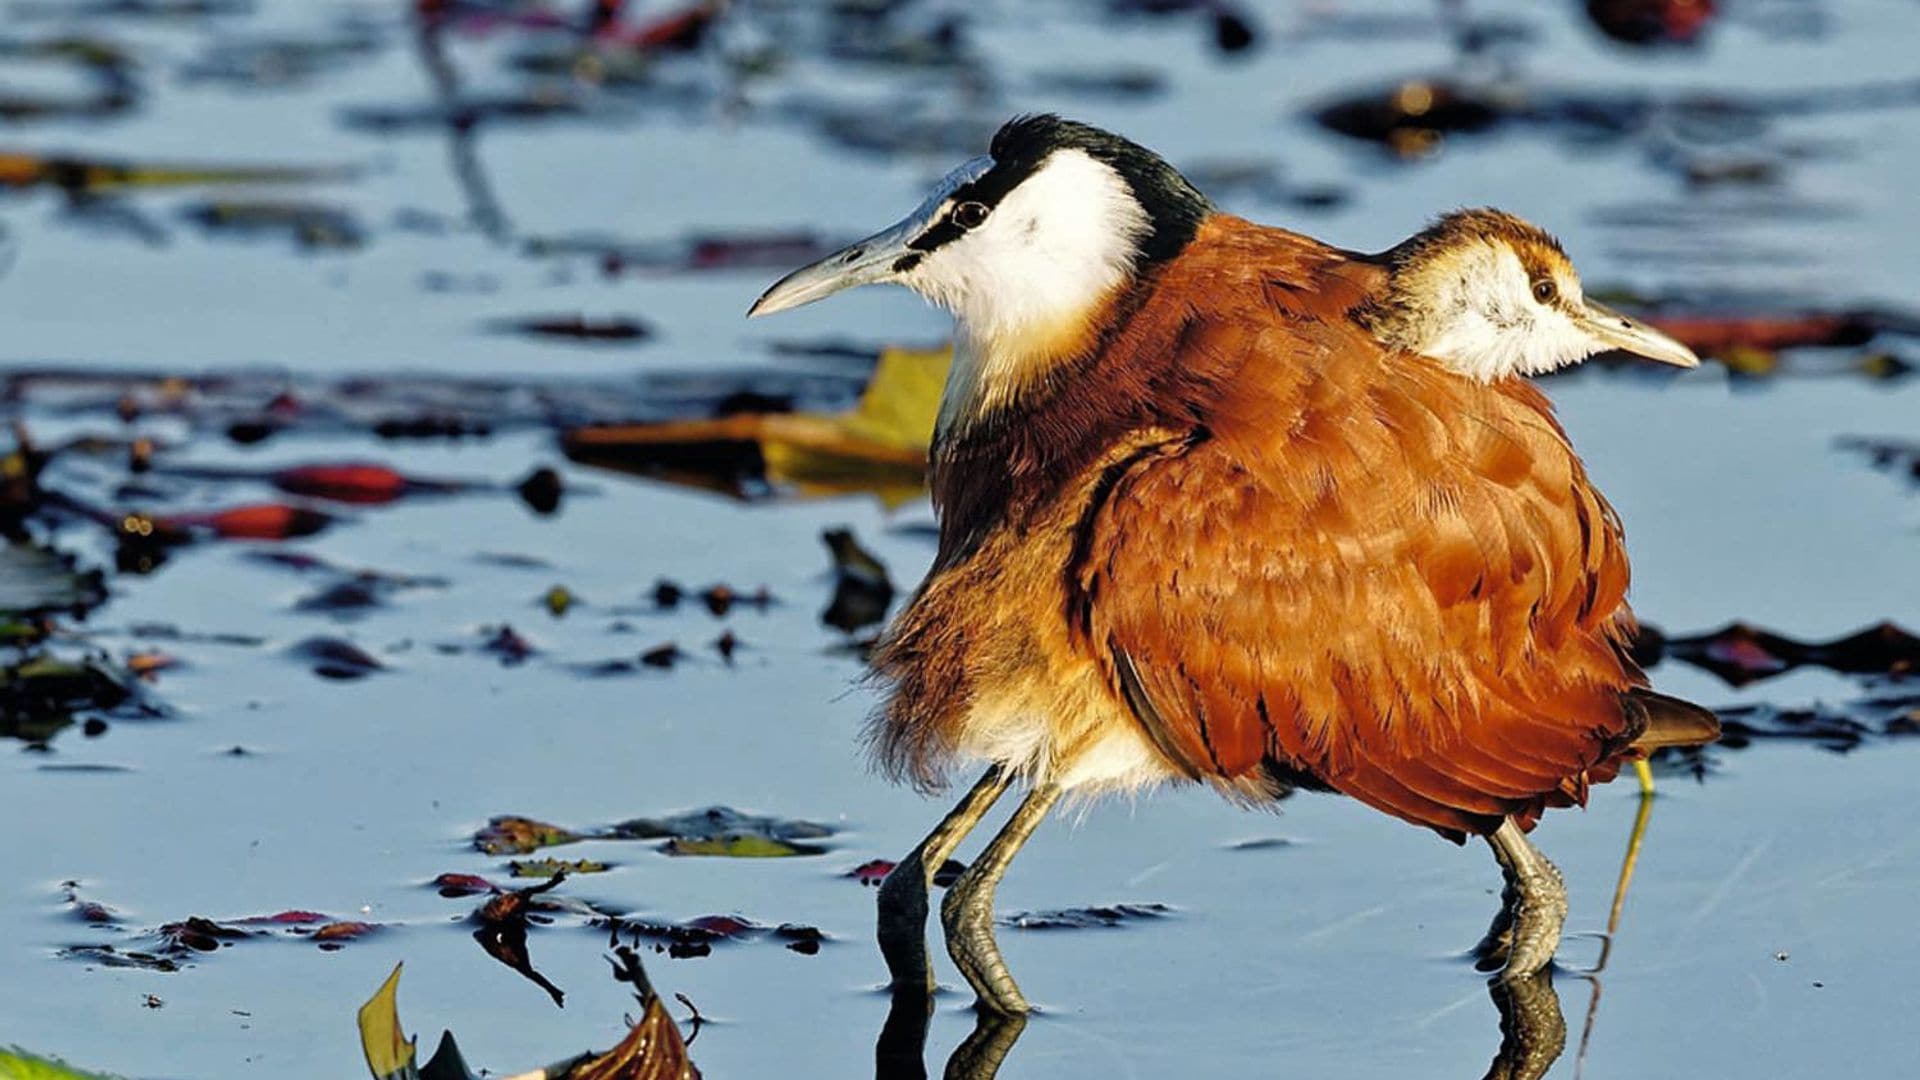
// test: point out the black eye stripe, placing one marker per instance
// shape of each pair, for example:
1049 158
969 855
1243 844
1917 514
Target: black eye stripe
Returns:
988 190
942 232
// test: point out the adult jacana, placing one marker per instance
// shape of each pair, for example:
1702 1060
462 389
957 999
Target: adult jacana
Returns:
1219 502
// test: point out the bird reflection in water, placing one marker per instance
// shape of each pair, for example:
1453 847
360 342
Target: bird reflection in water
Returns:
1533 1032
1533 1029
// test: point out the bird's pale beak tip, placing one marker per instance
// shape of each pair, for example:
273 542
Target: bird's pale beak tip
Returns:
1678 355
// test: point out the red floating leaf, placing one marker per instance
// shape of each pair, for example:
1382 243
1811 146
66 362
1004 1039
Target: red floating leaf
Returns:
452 886
284 918
350 483
261 521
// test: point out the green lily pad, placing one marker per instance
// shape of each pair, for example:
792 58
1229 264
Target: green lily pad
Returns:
739 846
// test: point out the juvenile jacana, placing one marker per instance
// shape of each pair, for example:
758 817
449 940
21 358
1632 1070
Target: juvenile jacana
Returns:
1219 502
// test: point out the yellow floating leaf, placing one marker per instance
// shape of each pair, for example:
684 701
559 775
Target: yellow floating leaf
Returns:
17 1064
880 446
389 1053
902 402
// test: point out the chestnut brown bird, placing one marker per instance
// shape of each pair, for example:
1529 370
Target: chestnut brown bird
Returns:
1219 502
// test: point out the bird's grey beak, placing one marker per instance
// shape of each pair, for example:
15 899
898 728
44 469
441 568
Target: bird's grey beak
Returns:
875 259
869 261
1617 331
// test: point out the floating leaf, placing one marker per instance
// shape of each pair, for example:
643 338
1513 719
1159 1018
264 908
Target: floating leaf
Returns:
283 918
262 521
108 956
1713 335
95 175
197 934
1413 118
352 483
739 846
1651 22
456 885
510 835
1087 917
17 1064
343 598
578 328
43 692
717 830
662 656
389 1052
91 912
880 446
311 226
546 868
331 935
36 580
1740 653
336 658
722 830
696 937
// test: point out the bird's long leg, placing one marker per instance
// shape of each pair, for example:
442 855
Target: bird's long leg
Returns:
1533 906
1644 772
967 912
902 920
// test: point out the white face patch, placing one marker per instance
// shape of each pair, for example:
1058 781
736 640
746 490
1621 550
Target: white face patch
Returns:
1483 321
1056 246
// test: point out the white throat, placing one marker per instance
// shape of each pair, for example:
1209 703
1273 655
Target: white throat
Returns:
1483 321
1022 285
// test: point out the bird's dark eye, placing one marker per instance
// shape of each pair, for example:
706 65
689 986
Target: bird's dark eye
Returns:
970 215
1545 290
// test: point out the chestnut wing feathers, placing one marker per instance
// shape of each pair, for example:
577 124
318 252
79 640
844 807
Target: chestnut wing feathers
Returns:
1370 572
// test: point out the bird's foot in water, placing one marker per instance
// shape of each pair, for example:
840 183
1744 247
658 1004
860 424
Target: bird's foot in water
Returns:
967 917
1533 909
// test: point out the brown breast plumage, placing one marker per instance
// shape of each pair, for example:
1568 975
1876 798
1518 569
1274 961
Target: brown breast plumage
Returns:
1274 552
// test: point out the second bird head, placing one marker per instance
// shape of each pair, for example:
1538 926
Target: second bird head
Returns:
1029 244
